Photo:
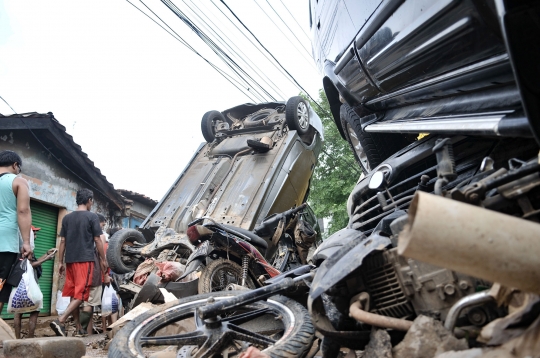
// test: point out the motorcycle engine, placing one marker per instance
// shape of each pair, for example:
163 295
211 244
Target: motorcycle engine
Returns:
405 288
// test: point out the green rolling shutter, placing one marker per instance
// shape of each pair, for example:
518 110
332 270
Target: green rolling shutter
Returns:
45 217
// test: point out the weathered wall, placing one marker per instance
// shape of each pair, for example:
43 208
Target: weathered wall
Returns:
52 183
49 180
141 210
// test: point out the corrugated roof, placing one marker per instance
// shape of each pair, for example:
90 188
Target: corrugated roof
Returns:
137 196
40 121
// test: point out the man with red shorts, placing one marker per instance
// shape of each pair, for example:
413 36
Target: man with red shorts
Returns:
80 231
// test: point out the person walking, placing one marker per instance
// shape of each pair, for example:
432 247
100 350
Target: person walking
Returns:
96 291
36 264
80 232
15 216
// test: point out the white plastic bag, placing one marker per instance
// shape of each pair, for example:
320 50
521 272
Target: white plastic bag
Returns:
61 303
26 297
107 301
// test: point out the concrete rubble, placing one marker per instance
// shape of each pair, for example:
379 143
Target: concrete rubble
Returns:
49 347
379 345
427 338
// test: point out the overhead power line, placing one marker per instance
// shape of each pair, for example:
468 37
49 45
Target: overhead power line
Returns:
215 28
270 53
258 89
308 59
7 104
286 8
177 37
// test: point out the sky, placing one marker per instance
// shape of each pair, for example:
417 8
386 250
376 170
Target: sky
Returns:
130 94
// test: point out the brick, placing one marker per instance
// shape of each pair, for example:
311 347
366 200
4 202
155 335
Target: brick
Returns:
49 347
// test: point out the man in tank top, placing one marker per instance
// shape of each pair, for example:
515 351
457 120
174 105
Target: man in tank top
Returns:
15 216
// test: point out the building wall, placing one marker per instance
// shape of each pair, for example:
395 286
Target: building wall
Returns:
52 183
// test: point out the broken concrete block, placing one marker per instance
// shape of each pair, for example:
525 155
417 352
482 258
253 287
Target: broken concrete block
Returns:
424 339
469 353
379 345
6 332
49 347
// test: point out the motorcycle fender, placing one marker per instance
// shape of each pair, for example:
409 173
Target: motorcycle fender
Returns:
200 252
345 261
335 242
192 267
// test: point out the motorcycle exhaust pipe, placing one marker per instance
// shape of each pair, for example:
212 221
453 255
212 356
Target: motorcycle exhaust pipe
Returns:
474 241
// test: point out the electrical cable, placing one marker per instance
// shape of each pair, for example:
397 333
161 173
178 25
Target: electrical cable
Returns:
244 57
224 43
8 104
265 54
287 26
309 60
301 28
224 74
185 43
224 56
275 59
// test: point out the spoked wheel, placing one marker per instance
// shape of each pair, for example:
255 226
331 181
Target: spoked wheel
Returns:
220 274
279 327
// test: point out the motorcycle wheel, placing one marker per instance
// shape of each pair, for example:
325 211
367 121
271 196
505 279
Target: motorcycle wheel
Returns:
115 258
279 326
219 274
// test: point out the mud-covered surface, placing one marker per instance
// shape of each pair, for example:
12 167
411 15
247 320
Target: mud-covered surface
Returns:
96 344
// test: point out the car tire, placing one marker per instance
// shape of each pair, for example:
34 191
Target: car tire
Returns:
377 147
295 343
208 275
114 251
297 114
258 118
208 124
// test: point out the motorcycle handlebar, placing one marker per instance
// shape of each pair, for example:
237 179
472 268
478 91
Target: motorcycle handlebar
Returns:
273 221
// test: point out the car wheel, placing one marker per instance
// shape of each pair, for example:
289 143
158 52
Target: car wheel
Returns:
258 118
297 114
208 124
370 149
117 260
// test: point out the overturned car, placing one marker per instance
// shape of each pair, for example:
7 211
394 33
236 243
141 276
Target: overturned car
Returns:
258 161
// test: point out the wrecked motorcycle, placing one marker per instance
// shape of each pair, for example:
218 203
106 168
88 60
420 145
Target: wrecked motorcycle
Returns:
233 258
363 282
375 286
226 322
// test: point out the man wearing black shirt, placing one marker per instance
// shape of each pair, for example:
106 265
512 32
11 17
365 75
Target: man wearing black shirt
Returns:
80 231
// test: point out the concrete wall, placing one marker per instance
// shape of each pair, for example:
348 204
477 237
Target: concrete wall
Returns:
140 210
52 183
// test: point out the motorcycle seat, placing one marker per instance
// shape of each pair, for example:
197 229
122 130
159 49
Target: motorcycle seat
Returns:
255 240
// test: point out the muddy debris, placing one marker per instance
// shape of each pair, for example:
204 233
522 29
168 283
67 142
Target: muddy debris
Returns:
379 345
427 338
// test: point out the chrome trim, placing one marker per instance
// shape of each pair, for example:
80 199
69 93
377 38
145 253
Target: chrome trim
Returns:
465 125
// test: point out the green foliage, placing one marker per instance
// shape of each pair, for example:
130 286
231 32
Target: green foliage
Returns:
335 174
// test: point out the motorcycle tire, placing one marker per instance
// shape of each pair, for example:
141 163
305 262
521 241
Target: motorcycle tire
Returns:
211 272
370 149
293 322
114 252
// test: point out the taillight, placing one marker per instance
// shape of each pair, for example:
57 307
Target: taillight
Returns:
196 234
